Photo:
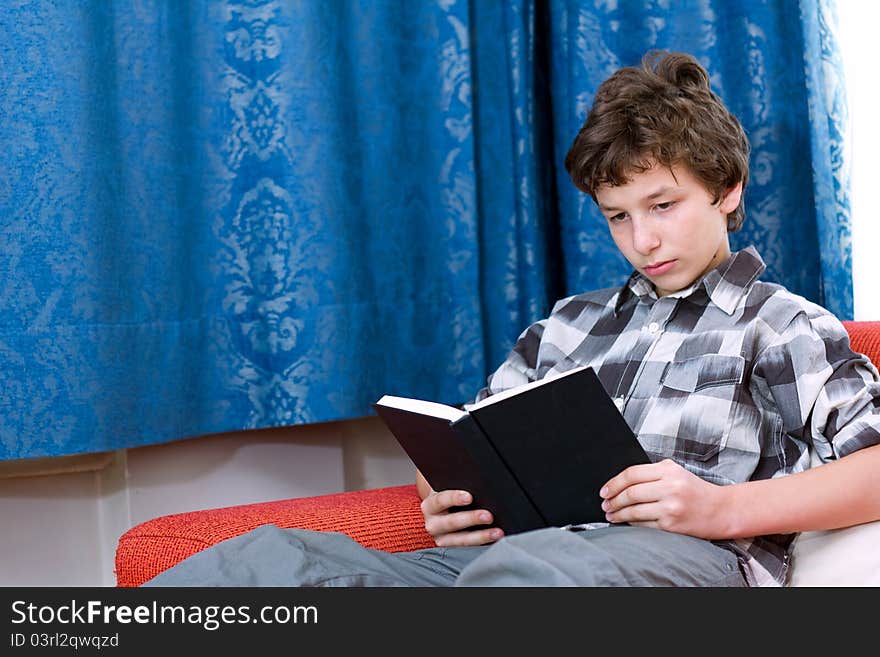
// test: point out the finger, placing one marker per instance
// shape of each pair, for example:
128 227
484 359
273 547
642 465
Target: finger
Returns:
464 519
651 491
470 538
636 513
447 523
634 474
444 500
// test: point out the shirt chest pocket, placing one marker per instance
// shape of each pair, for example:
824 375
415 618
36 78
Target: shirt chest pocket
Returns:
691 415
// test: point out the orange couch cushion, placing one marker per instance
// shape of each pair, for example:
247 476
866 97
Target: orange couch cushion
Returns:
383 518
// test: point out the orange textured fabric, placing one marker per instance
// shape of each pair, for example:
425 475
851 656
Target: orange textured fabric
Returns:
383 518
865 339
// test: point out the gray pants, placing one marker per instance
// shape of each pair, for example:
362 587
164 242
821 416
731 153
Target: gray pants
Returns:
613 556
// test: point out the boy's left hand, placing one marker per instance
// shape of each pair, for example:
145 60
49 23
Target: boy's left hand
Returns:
665 496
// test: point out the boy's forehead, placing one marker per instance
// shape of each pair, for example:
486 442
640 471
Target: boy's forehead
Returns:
650 182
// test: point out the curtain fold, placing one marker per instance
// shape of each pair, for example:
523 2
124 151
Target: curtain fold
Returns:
828 115
519 245
254 213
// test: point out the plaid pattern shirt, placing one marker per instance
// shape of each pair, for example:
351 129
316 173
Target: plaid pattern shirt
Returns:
733 378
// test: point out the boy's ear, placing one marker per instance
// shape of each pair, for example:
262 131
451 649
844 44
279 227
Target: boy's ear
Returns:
731 198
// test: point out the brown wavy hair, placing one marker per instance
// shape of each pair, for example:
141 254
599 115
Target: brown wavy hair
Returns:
662 112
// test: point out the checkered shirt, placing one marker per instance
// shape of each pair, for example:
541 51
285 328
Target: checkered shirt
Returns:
733 378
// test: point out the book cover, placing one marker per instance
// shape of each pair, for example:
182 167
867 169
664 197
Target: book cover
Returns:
535 455
452 452
564 438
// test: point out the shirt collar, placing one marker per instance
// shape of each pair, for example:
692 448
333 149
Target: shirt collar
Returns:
725 285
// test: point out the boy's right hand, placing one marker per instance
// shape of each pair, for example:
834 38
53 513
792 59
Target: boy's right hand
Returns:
457 528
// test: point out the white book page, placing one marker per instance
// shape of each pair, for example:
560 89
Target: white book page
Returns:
423 407
510 392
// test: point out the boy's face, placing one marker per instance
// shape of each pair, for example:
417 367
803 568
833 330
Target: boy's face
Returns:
665 224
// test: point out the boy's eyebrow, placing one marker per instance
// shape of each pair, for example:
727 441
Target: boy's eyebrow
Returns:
650 197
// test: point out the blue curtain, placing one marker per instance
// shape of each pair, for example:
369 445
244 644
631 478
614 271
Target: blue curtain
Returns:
254 213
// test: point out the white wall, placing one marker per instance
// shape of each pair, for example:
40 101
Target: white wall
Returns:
857 25
62 529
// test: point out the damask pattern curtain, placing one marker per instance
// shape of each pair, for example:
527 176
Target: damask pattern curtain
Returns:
252 213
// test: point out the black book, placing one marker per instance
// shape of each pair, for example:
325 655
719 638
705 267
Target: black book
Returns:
535 456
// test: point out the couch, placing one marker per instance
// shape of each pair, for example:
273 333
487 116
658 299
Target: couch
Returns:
389 519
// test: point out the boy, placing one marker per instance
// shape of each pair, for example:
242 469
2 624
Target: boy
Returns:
729 383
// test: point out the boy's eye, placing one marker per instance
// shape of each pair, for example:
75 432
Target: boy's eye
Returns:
617 217
665 205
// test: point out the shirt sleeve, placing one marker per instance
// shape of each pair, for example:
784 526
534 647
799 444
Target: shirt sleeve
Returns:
826 394
521 363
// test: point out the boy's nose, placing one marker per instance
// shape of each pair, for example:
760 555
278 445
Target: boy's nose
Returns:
645 238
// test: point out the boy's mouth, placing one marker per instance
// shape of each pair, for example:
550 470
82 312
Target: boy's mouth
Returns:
658 268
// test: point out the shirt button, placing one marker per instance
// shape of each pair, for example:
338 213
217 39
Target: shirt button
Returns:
618 401
653 327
